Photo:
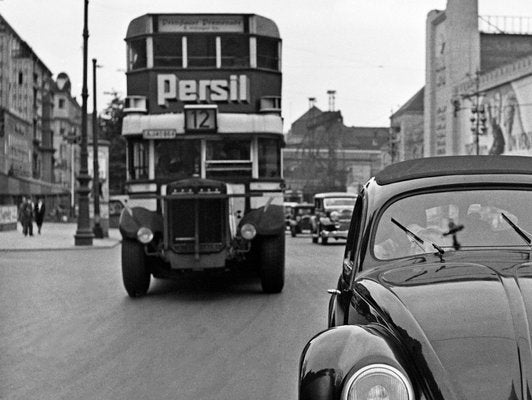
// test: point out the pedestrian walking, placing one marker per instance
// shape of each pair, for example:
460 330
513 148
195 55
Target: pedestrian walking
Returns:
20 208
39 212
27 217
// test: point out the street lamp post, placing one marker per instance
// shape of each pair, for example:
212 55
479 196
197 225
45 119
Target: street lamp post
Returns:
97 230
84 235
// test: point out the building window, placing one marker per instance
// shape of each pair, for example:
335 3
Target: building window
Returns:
201 51
20 78
61 103
235 51
167 52
267 53
137 54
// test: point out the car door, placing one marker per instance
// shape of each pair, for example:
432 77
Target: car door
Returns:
341 296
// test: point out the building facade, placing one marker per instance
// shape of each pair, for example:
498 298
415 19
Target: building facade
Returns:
322 154
66 127
28 148
406 130
478 87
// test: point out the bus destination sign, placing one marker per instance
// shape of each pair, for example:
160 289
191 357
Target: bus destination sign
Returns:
200 119
159 134
201 23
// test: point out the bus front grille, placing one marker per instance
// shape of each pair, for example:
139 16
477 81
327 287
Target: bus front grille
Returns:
196 225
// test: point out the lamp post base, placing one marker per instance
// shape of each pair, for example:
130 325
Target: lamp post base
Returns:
83 238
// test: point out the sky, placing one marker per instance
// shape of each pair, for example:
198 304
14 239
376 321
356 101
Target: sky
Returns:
371 52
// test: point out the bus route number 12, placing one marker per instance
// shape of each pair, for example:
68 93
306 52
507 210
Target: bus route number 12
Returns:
200 119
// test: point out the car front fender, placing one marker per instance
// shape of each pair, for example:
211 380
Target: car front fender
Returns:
268 220
335 354
134 218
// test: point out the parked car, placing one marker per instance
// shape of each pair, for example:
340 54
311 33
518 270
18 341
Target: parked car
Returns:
434 298
332 216
301 218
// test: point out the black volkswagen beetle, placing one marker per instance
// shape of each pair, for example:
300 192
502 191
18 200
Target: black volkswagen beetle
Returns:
434 300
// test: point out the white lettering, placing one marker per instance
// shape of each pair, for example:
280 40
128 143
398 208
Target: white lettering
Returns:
233 91
188 91
169 87
203 86
219 90
166 89
243 86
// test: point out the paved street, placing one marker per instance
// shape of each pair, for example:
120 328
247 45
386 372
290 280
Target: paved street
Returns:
69 330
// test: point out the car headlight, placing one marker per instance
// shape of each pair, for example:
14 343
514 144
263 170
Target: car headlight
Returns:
144 235
335 215
378 382
248 231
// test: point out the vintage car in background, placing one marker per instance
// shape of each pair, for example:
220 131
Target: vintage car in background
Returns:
434 298
116 205
332 216
287 206
301 218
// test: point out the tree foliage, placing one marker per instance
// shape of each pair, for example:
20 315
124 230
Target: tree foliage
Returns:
111 129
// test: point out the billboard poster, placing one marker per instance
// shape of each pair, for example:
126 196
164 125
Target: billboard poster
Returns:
508 121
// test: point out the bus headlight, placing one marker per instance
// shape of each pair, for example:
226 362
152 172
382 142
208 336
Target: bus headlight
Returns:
248 231
144 235
378 382
335 215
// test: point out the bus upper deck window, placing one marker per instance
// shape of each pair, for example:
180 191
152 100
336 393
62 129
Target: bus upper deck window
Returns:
137 54
267 53
235 51
167 51
269 158
201 51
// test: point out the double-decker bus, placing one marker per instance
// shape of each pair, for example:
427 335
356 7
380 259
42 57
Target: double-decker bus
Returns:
204 135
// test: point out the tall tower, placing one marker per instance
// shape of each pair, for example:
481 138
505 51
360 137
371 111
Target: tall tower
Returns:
452 56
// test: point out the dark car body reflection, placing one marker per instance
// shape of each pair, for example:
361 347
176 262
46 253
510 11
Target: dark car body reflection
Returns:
422 309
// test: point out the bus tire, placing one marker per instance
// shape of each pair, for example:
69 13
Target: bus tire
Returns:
135 272
272 260
324 240
293 231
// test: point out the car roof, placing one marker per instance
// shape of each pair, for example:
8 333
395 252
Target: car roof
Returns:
453 165
304 205
334 194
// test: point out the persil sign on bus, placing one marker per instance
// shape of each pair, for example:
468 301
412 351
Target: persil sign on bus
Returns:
170 88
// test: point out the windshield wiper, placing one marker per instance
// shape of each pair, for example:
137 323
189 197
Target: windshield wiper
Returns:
521 232
420 242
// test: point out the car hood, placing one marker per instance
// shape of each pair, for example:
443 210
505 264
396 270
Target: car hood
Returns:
467 325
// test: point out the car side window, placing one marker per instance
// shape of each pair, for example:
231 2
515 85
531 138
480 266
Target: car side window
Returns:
352 238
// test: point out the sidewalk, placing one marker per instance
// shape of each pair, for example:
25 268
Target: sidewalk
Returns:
54 236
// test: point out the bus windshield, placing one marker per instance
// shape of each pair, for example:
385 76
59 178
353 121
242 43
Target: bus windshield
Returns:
177 159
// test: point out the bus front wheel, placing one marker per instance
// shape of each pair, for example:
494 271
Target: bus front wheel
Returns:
135 273
272 259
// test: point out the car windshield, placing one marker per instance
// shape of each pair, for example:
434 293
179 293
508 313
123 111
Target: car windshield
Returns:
338 202
304 211
453 220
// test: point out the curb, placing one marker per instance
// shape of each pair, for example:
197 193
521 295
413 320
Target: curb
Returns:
73 248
